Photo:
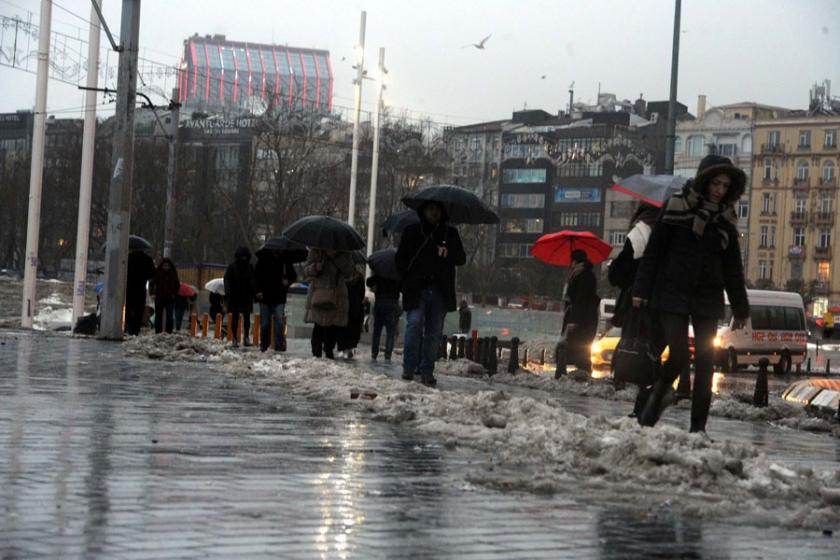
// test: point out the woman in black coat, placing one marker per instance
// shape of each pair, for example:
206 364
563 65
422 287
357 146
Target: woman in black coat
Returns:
693 256
239 293
580 319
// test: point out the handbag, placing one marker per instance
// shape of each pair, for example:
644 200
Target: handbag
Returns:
325 298
634 360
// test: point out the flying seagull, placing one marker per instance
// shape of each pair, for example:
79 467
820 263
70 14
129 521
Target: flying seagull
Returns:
479 45
542 77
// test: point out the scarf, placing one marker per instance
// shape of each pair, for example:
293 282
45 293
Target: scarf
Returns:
690 210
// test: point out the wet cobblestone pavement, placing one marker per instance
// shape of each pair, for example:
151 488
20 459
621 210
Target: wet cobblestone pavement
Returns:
109 457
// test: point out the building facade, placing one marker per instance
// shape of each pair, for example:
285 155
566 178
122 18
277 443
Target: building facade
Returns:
794 189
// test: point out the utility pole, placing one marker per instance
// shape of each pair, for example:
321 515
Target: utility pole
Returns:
122 166
86 180
36 172
360 75
672 100
171 176
374 170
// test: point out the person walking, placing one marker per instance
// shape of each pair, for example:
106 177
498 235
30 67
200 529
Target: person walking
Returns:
272 277
348 336
327 272
580 319
622 274
165 286
693 255
239 293
386 309
464 317
141 269
426 258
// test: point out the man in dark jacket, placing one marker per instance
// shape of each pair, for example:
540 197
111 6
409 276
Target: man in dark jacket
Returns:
426 259
272 277
693 256
464 317
386 311
141 269
239 293
580 319
165 286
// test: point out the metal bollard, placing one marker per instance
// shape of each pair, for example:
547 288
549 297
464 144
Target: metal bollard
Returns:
513 363
761 396
284 343
462 347
474 340
525 358
493 358
808 366
453 348
230 327
217 327
482 353
442 348
542 357
193 324
560 360
205 323
828 366
469 349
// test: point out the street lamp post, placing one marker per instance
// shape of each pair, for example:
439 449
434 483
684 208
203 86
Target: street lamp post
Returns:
374 171
357 110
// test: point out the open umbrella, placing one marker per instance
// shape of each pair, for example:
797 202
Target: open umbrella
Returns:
653 189
216 286
188 291
135 243
556 248
461 206
396 223
324 232
358 257
291 251
383 263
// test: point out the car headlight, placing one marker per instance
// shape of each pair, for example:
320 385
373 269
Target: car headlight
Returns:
596 348
717 342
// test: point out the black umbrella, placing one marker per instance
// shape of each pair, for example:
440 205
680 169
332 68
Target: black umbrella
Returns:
324 232
462 206
359 257
135 243
383 263
289 250
396 223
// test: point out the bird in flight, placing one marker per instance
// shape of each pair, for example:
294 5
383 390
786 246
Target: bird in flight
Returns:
480 44
542 77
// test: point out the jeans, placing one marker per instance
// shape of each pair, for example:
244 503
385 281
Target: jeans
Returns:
167 310
384 315
675 330
266 311
424 327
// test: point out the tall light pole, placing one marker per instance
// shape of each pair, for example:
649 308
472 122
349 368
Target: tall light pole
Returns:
36 172
122 170
672 99
86 180
374 170
171 176
360 75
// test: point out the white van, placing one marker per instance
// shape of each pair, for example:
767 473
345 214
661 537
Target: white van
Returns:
775 330
606 311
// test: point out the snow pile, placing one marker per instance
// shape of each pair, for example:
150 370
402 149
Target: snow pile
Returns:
461 368
54 299
52 318
181 347
779 413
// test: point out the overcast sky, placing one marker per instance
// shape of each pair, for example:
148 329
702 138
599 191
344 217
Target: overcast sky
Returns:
769 51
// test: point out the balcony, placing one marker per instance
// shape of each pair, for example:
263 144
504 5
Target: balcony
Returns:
802 182
796 252
830 145
828 182
772 149
798 217
803 147
824 218
822 253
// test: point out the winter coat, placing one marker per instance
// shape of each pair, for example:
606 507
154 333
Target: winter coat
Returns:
356 298
165 284
384 288
335 272
268 278
239 283
582 298
141 269
216 305
421 266
681 273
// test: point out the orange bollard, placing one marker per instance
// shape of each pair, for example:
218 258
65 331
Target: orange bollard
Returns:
230 327
193 324
255 338
205 322
240 326
285 335
218 325
272 335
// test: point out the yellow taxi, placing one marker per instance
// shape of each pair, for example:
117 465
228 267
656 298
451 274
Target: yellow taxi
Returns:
602 350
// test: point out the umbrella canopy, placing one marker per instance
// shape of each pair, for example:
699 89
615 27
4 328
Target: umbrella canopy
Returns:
187 291
556 248
216 286
289 250
135 243
325 232
462 206
653 189
396 223
359 257
383 263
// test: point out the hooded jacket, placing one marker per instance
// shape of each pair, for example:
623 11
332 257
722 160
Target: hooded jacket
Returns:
269 275
420 264
239 283
141 269
165 283
582 298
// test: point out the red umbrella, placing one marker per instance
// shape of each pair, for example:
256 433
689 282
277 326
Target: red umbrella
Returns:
186 290
556 248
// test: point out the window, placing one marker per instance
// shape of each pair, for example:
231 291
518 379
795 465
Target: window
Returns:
804 138
768 203
794 319
773 137
802 170
828 171
777 318
827 202
524 175
830 138
801 203
824 238
772 236
746 144
694 146
678 145
760 315
823 271
523 225
799 236
764 236
578 219
523 201
622 209
727 150
581 169
744 208
514 250
617 237
768 168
